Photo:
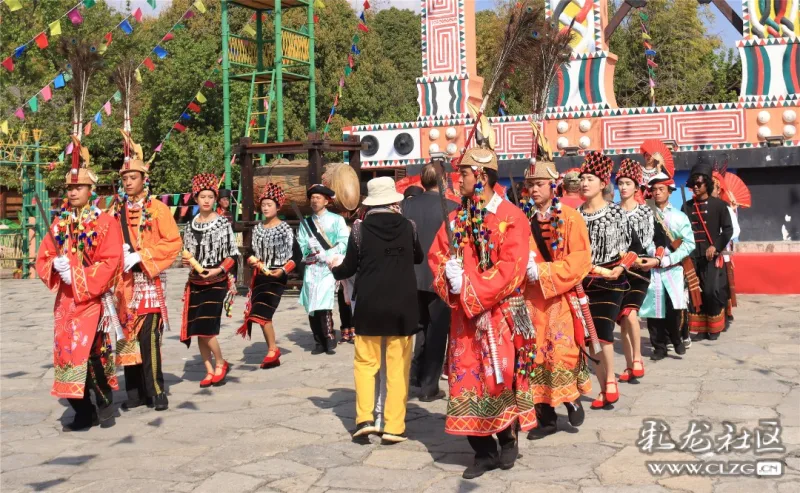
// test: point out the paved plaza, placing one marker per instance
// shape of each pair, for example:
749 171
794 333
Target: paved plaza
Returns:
288 429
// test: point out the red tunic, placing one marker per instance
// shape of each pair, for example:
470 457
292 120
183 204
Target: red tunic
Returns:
78 306
478 405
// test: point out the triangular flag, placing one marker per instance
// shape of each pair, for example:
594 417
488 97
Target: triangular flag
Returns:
198 4
19 113
20 51
8 64
165 199
363 27
652 83
117 96
195 209
152 3
178 26
646 36
189 14
347 71
316 19
34 104
47 93
58 82
366 4
75 16
200 98
350 60
209 84
186 116
107 107
67 76
98 119
61 157
126 26
108 37
55 28
318 4
88 3
650 52
186 198
41 40
138 76
179 127
362 17
194 107
102 48
13 5
87 129
160 52
158 149
356 38
173 209
149 64
69 149
137 14
652 63
4 127
248 29
168 37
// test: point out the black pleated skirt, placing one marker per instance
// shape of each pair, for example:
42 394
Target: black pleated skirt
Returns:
203 304
605 300
265 296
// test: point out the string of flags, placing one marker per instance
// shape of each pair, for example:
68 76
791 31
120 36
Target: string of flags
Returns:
42 40
351 61
117 96
649 54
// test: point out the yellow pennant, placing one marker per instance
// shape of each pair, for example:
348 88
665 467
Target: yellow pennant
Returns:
198 4
55 28
200 98
138 76
4 127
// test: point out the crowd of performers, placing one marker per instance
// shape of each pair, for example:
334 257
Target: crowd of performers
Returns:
509 300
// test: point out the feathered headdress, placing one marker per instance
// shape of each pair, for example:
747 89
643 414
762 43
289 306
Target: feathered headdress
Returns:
524 22
83 62
79 173
125 78
543 62
134 157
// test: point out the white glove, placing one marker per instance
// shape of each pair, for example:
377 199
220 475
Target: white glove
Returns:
665 262
455 275
314 245
130 260
61 263
533 269
66 277
335 260
126 249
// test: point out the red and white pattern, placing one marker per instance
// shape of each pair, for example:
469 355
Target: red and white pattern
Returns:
708 127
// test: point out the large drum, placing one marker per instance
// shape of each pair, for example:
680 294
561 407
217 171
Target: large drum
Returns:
292 177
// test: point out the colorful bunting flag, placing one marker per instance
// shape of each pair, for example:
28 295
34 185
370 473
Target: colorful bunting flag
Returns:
59 82
189 14
248 29
117 96
34 104
158 148
8 64
152 3
75 16
20 50
194 107
87 129
186 197
168 37
160 52
4 127
179 127
209 84
41 40
13 5
363 27
186 116
55 28
200 98
138 76
47 93
652 63
137 14
98 119
69 149
88 3
318 4
149 64
165 199
366 4
107 108
67 76
108 37
198 4
362 17
126 26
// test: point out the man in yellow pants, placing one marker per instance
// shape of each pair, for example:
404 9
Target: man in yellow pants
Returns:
381 253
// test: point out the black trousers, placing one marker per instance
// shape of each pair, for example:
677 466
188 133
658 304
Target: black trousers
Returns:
322 327
345 313
485 447
546 415
147 380
96 382
431 342
667 329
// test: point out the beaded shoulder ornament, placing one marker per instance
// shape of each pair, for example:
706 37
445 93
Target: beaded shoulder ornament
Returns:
80 230
469 226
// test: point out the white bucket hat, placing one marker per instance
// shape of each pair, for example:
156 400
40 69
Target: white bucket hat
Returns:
381 191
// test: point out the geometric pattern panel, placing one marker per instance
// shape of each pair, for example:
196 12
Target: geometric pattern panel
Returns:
631 131
443 44
714 127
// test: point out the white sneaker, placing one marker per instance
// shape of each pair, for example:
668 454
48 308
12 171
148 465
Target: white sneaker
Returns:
687 343
670 347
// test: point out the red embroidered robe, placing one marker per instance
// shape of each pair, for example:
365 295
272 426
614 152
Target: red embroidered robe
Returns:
78 307
479 406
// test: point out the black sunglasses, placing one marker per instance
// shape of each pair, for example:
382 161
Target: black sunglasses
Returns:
697 183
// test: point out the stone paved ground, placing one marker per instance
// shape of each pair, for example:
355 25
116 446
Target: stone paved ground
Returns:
287 429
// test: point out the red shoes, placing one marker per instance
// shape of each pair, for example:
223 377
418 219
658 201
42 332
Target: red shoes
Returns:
606 397
271 361
632 373
220 379
206 382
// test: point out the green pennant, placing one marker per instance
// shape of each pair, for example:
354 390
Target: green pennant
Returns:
327 128
88 3
61 157
151 3
67 76
347 70
643 16
34 104
356 39
117 96
179 26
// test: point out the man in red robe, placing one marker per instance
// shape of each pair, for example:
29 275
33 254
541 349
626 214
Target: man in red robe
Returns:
81 261
480 277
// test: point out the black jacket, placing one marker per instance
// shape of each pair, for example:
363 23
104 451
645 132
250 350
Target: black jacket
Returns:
717 219
385 284
426 212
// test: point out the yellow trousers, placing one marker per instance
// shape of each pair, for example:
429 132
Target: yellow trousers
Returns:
366 368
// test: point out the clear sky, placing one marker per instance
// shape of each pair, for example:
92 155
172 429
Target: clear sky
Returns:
719 25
